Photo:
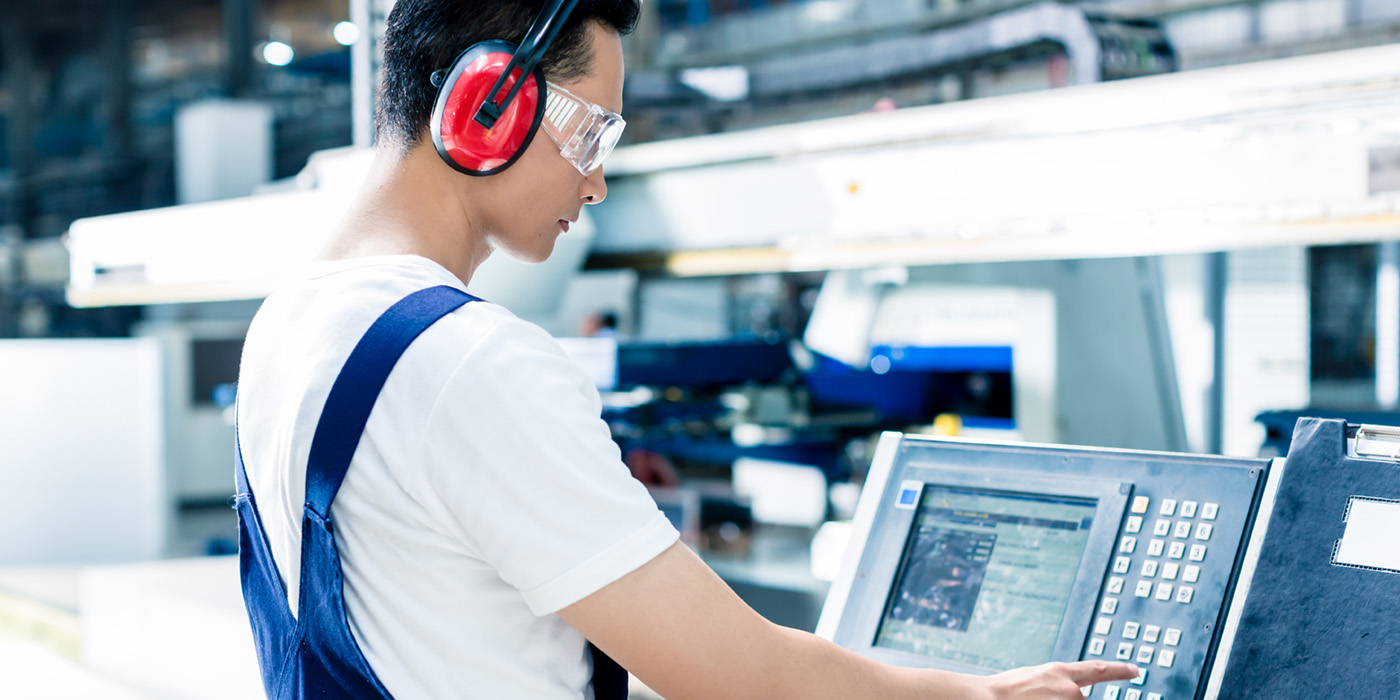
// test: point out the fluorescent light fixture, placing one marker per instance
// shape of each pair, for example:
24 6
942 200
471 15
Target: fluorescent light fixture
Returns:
723 83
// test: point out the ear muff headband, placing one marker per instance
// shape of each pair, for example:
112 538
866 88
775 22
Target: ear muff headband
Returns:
491 101
464 143
527 56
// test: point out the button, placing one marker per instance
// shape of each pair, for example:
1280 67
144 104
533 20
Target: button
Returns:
1149 568
1155 547
1140 504
1111 692
1144 589
1150 633
1154 696
1172 637
1122 564
1096 647
1182 531
1125 651
1164 591
1130 630
1161 528
1209 510
1103 626
1169 570
1203 531
1176 550
1134 524
1168 507
1198 552
1166 658
1144 655
1188 509
1127 545
1191 574
1141 677
1086 690
1184 593
1132 694
1109 606
1115 585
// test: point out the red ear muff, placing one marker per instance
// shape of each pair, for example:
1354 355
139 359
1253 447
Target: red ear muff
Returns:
468 146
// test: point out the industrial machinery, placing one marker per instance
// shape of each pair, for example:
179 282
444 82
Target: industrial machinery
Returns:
981 557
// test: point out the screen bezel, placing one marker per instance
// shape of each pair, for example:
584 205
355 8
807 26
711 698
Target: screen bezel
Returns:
884 553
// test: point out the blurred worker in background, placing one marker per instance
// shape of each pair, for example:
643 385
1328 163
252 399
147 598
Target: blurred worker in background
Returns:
486 525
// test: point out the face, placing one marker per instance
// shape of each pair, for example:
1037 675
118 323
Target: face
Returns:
536 199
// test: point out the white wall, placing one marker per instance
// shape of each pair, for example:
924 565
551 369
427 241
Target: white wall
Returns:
81 466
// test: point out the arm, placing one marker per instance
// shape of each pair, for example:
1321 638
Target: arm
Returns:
680 629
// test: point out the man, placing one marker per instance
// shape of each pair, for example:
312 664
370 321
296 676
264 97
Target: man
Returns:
486 525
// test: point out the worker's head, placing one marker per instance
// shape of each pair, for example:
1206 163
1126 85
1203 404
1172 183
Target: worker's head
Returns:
522 207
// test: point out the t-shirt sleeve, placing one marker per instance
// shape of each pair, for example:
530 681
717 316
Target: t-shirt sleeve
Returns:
526 475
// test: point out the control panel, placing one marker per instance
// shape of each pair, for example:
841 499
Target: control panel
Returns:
981 557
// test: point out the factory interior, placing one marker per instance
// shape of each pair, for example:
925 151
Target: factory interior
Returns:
885 298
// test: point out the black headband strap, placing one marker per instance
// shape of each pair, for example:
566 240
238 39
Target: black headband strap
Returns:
527 57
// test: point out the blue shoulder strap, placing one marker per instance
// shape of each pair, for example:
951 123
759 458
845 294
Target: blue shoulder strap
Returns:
354 392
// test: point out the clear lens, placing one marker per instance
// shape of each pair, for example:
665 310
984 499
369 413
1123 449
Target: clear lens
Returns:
584 132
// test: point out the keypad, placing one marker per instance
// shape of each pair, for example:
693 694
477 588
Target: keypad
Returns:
1176 535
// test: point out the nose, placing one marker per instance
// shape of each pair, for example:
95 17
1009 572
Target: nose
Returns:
594 188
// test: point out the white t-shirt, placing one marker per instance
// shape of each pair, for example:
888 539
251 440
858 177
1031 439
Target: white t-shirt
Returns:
485 494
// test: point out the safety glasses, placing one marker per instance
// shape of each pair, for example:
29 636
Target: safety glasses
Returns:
584 132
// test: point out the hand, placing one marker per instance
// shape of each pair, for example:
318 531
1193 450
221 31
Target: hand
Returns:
1056 680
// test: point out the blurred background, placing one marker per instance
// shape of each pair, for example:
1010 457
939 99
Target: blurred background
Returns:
1148 224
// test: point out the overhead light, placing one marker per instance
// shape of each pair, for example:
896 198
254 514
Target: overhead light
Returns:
723 83
347 33
277 53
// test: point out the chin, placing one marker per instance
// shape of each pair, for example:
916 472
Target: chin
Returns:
534 254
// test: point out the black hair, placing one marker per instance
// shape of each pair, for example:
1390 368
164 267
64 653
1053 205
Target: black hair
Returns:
423 36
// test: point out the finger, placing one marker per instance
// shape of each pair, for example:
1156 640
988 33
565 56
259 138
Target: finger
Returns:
1090 672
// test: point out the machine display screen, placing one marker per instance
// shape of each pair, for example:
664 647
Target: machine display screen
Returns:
986 576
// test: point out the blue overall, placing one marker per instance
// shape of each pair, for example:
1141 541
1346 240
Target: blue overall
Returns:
313 655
